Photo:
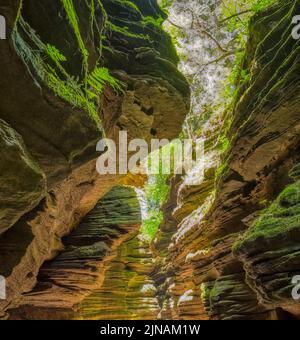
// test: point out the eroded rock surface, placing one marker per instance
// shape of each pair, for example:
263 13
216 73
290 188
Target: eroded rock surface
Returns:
255 280
81 268
17 166
128 291
57 114
227 249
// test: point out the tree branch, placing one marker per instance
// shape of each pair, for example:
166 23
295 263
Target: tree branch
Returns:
236 15
211 37
216 60
177 26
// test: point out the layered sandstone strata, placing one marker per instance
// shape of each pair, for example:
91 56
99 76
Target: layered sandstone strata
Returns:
243 276
82 267
53 112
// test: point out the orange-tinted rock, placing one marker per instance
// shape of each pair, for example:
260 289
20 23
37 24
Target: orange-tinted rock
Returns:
80 268
61 137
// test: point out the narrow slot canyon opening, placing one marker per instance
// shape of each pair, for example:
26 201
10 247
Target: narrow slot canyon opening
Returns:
211 230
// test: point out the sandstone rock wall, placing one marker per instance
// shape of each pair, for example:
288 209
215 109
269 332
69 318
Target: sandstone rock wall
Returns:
128 291
237 275
227 249
52 117
81 268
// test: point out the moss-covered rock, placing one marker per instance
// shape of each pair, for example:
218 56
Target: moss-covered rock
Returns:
260 162
230 298
149 50
270 250
64 86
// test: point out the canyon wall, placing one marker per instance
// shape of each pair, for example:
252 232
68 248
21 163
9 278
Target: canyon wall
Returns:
70 246
233 241
90 251
73 72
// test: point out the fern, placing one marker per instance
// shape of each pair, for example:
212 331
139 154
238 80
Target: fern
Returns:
55 54
99 78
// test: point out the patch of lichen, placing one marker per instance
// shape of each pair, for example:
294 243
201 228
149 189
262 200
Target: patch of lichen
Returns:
280 218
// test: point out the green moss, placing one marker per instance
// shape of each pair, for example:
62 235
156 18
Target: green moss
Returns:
127 3
125 31
154 22
46 63
99 78
54 76
221 171
224 143
72 16
295 172
281 217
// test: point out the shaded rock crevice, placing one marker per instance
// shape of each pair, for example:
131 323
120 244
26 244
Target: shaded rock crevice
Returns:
227 249
56 120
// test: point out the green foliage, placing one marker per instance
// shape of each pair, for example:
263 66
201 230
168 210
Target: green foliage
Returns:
236 15
230 86
99 78
156 192
177 35
72 16
224 143
151 224
55 54
165 4
46 61
155 22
